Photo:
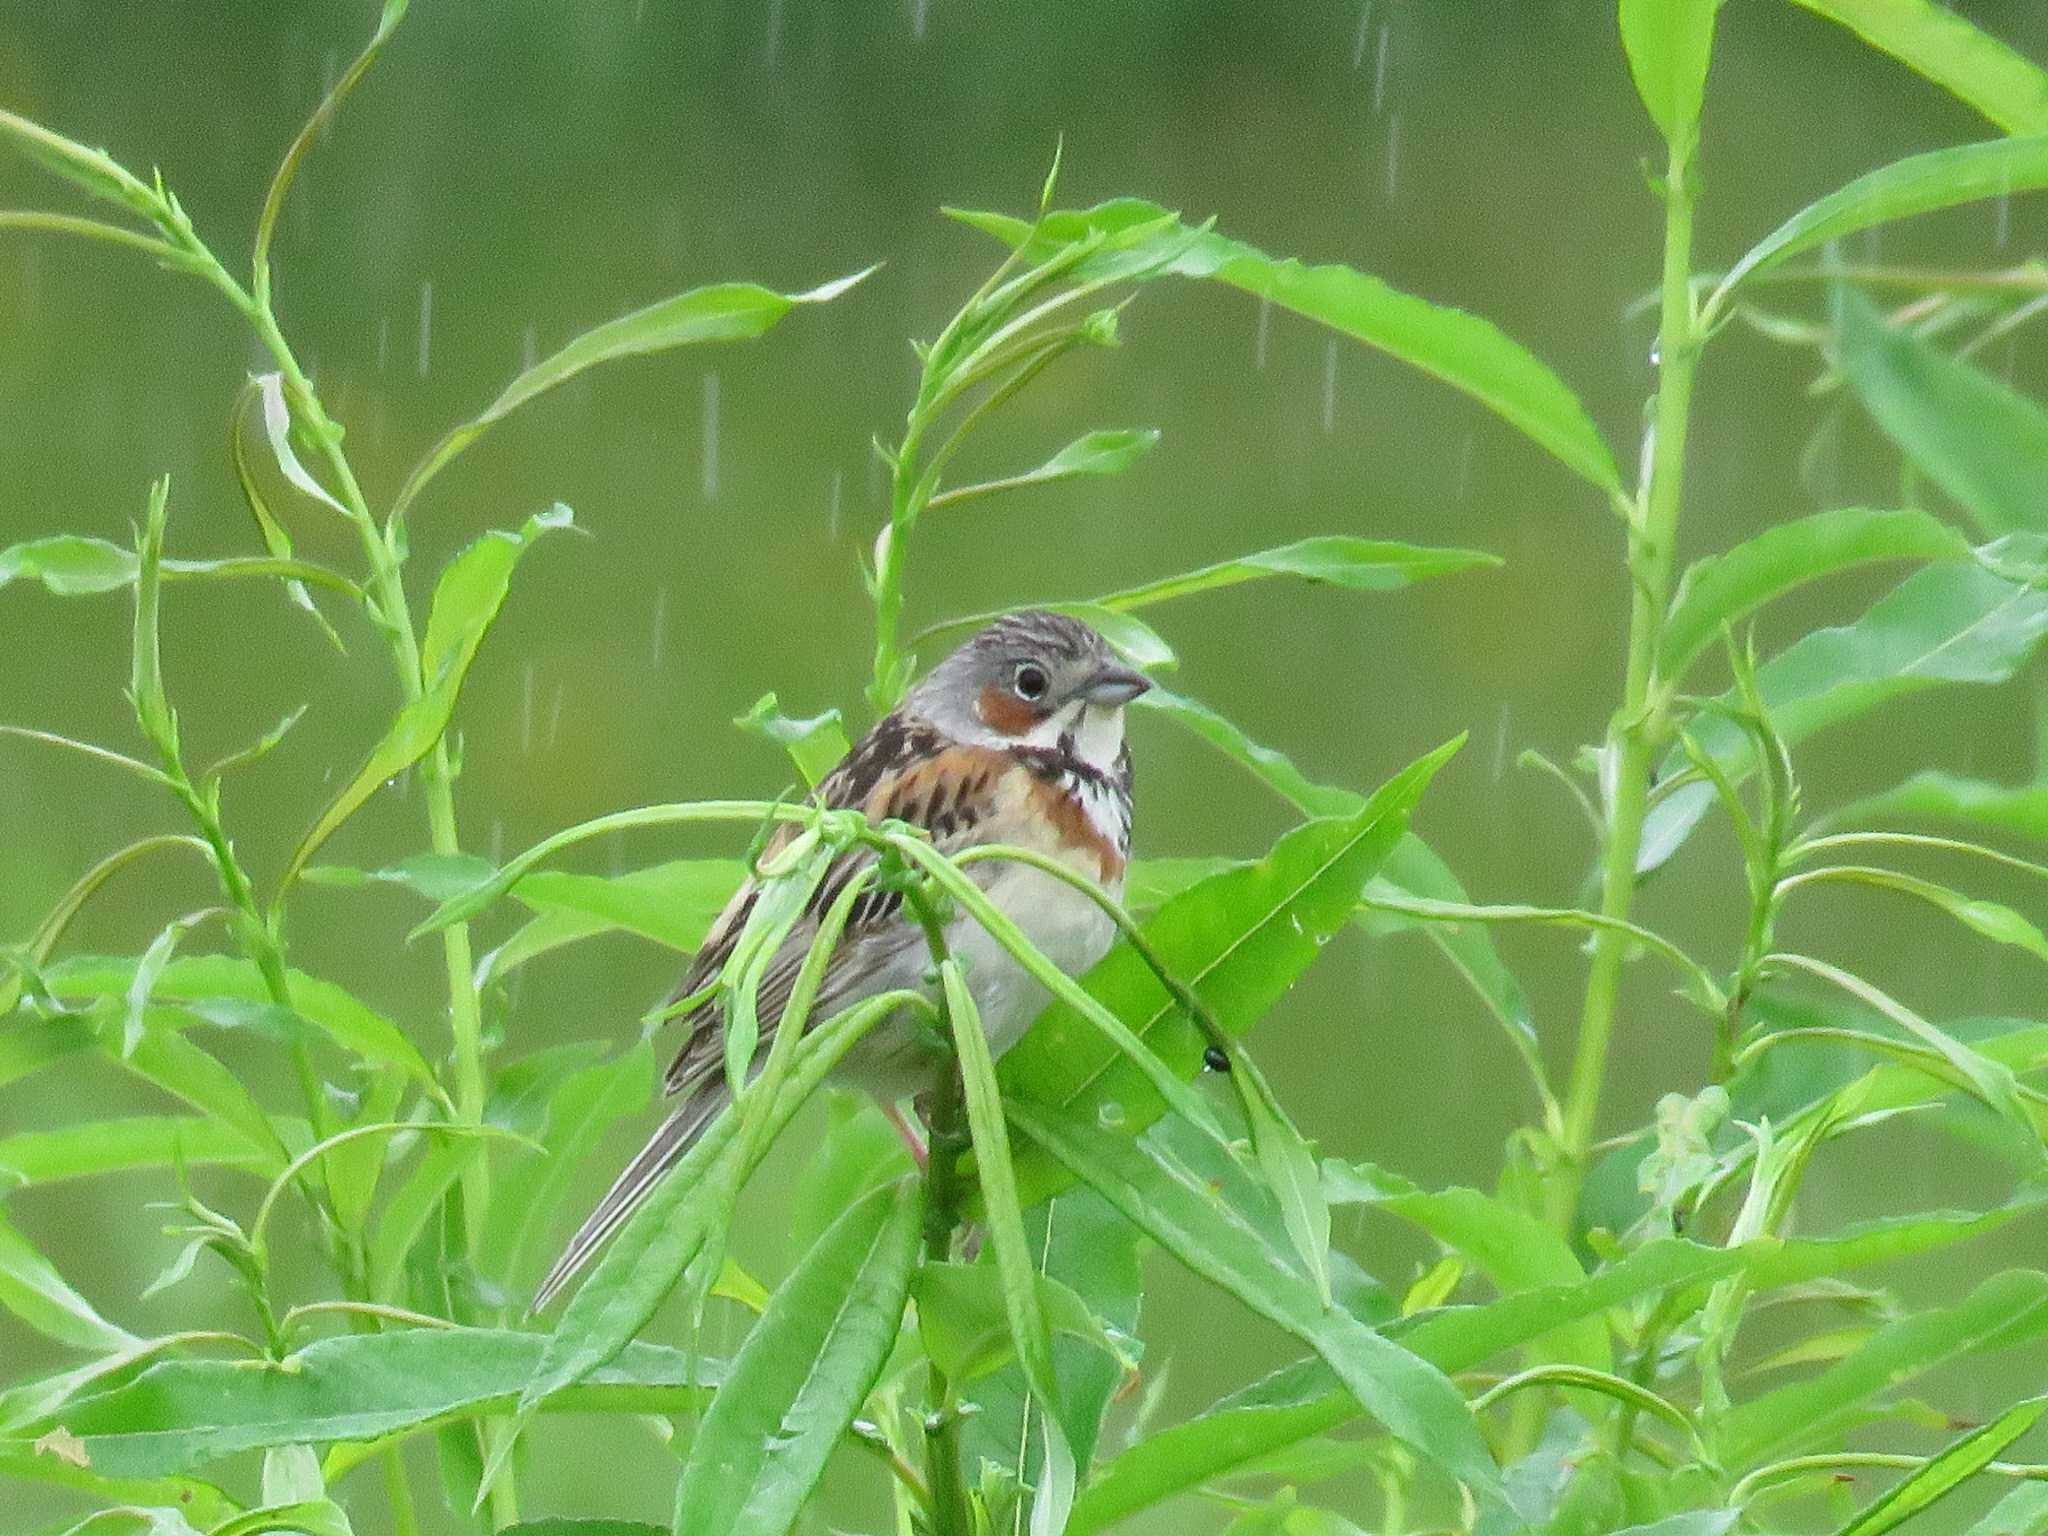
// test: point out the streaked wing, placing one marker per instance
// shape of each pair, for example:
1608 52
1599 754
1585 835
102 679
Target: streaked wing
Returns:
902 770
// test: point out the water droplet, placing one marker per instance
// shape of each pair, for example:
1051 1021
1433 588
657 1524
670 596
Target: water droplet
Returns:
1393 154
660 626
2001 226
1259 336
1110 1116
834 506
383 342
497 841
774 43
1500 744
1379 67
711 436
1461 486
426 325
919 14
555 716
529 347
1656 354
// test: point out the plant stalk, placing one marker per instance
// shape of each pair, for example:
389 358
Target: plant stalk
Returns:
1639 729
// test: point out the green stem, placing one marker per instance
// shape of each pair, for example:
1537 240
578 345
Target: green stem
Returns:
1638 731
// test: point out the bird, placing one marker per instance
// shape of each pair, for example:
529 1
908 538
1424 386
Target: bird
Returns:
1016 737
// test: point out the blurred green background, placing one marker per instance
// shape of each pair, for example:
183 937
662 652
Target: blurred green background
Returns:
512 173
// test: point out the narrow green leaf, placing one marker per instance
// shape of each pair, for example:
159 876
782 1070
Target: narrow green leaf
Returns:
1414 870
1465 351
1980 441
202 982
183 1414
1942 178
323 117
2023 1512
1412 1398
1288 1166
720 312
1514 1250
113 1146
145 677
33 1291
1951 623
966 1331
2006 1310
436 876
803 1373
815 745
1053 1491
650 1252
1971 65
1724 589
1239 939
1669 43
1933 795
1275 768
1306 1399
1094 453
306 1517
70 565
467 599
1362 565
673 904
1963 1459
1994 920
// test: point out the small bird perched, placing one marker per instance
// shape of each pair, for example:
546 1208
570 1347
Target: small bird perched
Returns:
1016 738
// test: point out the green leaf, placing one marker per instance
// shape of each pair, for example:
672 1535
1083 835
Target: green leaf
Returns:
182 1414
815 745
1513 1249
1306 1399
1288 1166
112 1146
1669 43
1963 1459
436 876
803 1373
1465 351
1942 178
1053 1489
1971 65
1981 442
961 1319
564 1526
1933 795
673 904
527 1190
70 565
33 1291
2006 1310
311 1517
1412 1398
1994 920
650 1252
467 599
1274 768
1414 870
203 981
1362 565
2023 1512
719 312
1090 1279
1094 453
1239 939
1952 623
1138 642
1724 589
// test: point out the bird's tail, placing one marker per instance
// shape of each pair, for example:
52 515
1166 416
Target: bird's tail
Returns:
677 1134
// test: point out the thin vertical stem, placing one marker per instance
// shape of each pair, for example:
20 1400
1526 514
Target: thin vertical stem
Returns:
1639 730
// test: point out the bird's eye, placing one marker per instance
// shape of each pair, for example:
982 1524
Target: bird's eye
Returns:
1031 681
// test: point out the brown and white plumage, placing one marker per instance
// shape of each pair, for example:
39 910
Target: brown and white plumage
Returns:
1017 737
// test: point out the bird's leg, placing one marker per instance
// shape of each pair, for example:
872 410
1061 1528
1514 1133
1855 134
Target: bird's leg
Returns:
908 1132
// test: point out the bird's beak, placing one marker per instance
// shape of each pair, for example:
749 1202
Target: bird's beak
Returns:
1114 685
